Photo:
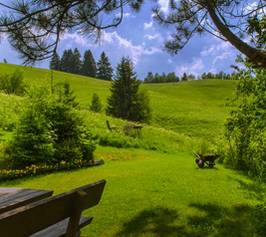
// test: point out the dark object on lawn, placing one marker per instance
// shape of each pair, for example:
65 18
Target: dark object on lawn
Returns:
208 159
132 129
110 128
54 216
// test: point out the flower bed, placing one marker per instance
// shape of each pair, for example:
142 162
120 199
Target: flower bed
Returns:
33 170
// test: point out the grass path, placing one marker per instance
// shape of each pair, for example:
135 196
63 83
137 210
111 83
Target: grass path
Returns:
157 194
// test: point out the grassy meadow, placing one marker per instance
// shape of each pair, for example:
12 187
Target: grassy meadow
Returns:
153 186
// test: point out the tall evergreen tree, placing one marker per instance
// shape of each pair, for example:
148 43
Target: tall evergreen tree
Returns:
76 62
55 62
125 100
104 68
88 66
66 61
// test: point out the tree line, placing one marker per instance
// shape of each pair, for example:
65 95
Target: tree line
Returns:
171 77
71 62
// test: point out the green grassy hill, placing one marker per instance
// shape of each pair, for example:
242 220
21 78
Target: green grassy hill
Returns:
196 108
153 185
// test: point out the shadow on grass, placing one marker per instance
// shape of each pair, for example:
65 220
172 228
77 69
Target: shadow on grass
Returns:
255 190
210 221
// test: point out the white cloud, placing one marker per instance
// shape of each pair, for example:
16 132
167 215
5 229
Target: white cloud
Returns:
129 49
219 51
170 61
153 37
76 38
196 67
253 6
125 15
164 6
148 25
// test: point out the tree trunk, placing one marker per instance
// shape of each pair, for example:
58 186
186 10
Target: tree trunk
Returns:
256 56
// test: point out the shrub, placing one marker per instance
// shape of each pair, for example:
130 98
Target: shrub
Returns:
12 84
246 126
50 131
96 105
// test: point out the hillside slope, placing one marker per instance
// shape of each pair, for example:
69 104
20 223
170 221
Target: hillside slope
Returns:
195 108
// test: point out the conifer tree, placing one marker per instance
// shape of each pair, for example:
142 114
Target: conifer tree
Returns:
104 68
149 78
66 61
76 62
96 105
55 62
125 101
184 77
88 66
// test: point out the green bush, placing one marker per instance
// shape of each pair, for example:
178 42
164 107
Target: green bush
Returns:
12 84
96 105
246 126
50 131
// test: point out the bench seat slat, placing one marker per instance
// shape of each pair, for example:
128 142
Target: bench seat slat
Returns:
21 198
59 229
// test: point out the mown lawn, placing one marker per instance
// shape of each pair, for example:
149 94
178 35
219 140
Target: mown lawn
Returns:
158 194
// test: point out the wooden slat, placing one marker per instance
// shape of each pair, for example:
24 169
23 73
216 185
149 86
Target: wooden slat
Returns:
22 198
37 216
59 229
17 195
8 191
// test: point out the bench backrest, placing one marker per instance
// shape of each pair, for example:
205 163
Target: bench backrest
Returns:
108 125
37 216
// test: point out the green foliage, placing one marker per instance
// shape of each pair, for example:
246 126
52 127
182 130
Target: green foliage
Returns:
141 110
219 76
33 140
10 109
88 67
50 131
55 63
96 105
65 95
125 100
66 61
104 68
13 83
170 77
246 127
76 62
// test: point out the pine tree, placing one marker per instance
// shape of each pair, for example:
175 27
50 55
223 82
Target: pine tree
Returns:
66 61
184 77
125 101
88 66
76 62
55 62
149 78
104 68
96 105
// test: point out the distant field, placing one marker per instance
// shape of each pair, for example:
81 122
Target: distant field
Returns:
196 108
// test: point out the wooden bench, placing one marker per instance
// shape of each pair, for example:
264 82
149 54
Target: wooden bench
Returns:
111 128
54 216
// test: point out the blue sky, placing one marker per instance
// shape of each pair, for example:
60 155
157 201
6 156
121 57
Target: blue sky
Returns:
141 39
